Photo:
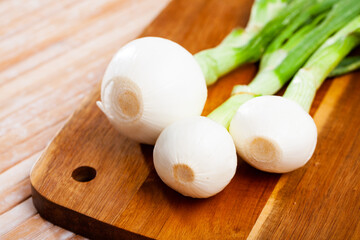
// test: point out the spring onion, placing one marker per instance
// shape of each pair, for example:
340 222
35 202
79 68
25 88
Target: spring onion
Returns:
248 45
288 39
262 11
347 65
268 82
196 157
276 134
179 152
150 83
189 155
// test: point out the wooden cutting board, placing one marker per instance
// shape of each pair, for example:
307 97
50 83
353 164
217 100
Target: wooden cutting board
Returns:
95 182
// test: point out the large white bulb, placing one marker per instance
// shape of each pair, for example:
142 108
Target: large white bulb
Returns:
150 83
196 157
274 134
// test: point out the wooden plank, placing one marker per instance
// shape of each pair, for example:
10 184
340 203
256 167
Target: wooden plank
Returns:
90 62
26 130
21 15
322 200
16 216
28 147
24 86
17 173
86 32
96 33
29 229
11 11
55 232
14 195
10 138
52 29
37 228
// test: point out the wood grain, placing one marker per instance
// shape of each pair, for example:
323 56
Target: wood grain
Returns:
37 228
36 96
135 174
145 207
42 82
16 216
322 200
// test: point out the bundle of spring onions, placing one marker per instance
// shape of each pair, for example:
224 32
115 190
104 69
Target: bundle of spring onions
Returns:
287 139
142 91
302 40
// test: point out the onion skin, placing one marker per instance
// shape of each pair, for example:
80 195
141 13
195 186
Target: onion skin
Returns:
196 157
274 134
150 83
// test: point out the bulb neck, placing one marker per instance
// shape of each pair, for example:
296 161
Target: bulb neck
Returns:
226 111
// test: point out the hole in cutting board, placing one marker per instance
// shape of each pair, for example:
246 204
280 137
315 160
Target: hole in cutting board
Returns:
84 174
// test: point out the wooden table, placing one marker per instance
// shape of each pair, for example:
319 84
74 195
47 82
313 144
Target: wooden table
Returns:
52 53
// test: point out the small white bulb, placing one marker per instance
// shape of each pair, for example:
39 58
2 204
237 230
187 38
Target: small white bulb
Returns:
274 134
150 83
196 157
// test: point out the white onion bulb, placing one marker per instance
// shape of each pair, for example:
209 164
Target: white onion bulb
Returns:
196 157
274 134
150 83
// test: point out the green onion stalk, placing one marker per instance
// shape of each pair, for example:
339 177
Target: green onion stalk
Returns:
262 11
349 64
270 81
197 157
309 78
248 45
277 134
294 33
287 40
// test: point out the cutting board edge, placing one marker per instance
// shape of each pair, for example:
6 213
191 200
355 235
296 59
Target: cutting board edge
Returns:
78 222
